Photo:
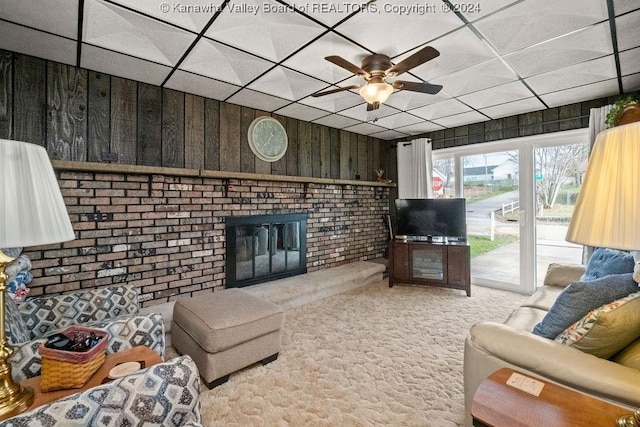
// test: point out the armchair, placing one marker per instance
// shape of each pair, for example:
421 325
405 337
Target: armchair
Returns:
166 394
113 308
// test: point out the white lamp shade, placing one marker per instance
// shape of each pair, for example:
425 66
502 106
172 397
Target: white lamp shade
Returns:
32 211
607 211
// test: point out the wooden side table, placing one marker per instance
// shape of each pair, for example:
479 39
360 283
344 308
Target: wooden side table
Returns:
137 354
496 404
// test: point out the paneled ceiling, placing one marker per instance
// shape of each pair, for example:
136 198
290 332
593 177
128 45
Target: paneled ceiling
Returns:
497 57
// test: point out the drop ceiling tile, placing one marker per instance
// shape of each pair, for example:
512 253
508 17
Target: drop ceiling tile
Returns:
365 129
113 27
624 6
458 50
630 61
257 100
311 60
628 30
385 29
475 10
513 108
582 93
631 82
336 121
585 44
302 112
270 32
213 59
329 12
440 109
60 18
509 92
575 75
398 120
389 134
419 128
359 112
481 76
530 22
192 16
117 64
334 102
199 85
287 84
461 119
36 43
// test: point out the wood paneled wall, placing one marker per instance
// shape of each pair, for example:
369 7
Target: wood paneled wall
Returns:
82 115
556 119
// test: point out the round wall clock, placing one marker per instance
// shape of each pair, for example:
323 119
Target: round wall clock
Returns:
267 138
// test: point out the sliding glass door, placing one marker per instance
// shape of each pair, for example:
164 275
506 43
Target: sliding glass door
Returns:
558 177
513 228
491 188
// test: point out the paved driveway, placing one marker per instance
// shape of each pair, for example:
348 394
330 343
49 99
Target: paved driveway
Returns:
479 213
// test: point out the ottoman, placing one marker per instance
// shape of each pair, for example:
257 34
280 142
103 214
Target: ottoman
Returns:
226 331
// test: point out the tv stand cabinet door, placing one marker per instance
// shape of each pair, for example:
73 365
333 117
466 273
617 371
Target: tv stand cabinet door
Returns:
399 262
458 267
428 263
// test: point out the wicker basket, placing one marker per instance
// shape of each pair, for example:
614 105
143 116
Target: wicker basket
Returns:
63 369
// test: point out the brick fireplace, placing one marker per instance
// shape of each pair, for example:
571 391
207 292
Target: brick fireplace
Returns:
163 229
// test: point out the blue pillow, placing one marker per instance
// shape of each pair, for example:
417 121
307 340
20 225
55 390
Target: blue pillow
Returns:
579 298
605 262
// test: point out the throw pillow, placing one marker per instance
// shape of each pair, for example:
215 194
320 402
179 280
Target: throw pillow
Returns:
605 262
636 268
630 355
579 298
563 274
607 330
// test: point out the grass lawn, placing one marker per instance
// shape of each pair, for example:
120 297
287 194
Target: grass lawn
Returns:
482 244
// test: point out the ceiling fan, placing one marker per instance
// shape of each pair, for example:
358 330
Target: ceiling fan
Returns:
376 69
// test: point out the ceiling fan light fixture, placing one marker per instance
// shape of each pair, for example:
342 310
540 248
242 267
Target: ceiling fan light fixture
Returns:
376 92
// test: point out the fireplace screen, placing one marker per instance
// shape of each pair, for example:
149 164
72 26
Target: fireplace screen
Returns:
265 247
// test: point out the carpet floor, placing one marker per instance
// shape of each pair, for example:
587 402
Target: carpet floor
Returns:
374 356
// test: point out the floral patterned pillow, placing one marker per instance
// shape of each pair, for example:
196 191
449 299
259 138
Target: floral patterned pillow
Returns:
606 330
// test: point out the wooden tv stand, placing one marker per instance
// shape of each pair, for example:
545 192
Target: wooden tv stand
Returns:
445 264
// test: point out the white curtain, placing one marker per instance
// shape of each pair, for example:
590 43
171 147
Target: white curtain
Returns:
415 169
597 117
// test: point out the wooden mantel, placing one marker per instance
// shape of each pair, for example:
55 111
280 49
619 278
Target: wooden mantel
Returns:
202 173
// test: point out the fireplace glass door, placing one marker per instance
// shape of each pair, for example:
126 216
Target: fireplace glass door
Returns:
265 247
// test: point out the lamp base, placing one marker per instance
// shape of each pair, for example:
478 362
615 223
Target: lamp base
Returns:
14 399
630 420
17 403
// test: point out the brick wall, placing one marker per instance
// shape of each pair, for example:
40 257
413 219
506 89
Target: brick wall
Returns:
165 233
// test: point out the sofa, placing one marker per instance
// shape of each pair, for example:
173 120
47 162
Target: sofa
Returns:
166 394
112 308
492 345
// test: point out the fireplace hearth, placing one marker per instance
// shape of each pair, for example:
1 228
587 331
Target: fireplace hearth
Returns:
261 248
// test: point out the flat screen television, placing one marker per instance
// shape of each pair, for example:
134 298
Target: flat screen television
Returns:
438 218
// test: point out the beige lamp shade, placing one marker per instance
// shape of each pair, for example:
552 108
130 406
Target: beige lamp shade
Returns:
376 90
607 212
32 210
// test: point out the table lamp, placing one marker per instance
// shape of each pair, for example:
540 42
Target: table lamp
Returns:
32 212
608 206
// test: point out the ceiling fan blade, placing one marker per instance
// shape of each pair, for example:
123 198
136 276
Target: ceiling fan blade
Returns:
374 106
425 54
341 62
417 87
330 91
